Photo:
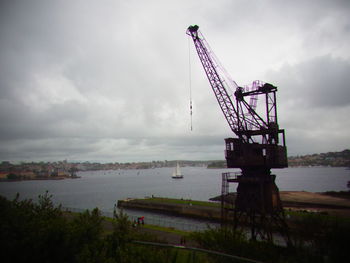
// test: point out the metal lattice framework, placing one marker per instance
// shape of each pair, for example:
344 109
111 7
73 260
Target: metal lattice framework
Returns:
256 151
217 84
241 116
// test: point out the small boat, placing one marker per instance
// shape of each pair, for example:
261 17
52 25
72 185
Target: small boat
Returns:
177 172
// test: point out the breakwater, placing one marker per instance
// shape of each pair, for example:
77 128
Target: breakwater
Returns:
292 200
179 207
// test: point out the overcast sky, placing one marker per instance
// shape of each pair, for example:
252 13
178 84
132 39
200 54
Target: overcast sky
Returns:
108 80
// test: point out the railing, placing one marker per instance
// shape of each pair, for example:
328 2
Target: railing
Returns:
81 210
159 221
193 258
232 176
156 220
177 257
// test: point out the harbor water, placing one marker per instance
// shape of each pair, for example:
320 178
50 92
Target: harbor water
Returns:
102 189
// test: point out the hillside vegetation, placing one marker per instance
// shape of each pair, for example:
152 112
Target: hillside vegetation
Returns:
336 159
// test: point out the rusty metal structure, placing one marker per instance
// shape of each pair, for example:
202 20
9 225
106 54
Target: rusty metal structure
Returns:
258 147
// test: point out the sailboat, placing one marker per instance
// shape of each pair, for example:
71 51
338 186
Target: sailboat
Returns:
177 172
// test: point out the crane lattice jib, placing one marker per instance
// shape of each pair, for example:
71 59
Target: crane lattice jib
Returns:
215 81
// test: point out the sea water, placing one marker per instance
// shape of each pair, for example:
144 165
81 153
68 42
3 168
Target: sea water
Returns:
102 189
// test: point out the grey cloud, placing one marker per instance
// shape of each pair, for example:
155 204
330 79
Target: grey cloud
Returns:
103 149
314 104
108 80
316 83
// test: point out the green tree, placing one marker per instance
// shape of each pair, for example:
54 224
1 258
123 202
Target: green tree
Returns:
87 237
32 232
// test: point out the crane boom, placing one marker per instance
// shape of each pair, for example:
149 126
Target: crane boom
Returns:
242 117
253 130
217 83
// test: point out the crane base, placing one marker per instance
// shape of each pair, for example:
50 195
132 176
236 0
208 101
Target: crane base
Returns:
257 205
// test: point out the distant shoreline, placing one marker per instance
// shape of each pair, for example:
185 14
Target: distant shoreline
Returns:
38 179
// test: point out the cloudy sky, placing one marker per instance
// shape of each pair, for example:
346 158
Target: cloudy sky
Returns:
108 80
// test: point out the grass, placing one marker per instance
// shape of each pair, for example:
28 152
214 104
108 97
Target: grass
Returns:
181 201
292 215
167 229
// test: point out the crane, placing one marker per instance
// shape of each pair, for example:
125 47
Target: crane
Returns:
258 146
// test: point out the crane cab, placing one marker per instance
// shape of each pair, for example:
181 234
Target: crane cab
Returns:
240 155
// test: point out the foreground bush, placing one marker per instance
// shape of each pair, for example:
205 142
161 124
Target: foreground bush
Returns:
41 232
315 238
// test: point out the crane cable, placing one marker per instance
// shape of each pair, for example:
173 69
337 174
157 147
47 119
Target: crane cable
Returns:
189 78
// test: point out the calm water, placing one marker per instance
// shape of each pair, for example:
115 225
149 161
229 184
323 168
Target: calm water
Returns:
103 188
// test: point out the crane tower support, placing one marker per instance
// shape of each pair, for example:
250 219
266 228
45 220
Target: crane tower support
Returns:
258 147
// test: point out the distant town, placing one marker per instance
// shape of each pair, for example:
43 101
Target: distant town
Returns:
334 159
64 169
